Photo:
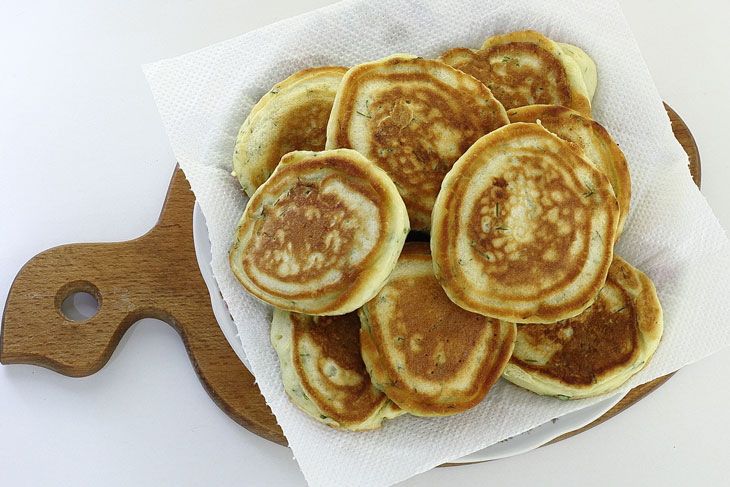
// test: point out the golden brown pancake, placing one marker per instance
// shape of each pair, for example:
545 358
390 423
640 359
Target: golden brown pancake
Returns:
323 372
413 117
291 116
523 228
596 351
321 235
524 68
592 138
429 356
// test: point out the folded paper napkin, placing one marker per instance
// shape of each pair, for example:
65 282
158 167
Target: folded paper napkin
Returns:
671 233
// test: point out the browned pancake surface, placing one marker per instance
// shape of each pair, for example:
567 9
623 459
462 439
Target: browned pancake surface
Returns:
310 214
596 351
513 83
431 357
415 124
524 227
592 138
591 344
340 387
321 235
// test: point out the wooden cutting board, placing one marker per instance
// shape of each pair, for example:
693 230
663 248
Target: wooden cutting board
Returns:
157 276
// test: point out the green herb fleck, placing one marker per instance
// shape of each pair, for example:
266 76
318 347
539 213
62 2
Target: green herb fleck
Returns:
620 309
590 191
363 114
485 255
274 91
496 210
562 397
503 229
506 59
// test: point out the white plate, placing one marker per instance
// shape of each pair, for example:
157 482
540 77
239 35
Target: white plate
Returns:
522 443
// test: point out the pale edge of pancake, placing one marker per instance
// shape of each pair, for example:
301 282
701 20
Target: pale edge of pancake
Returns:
585 63
377 274
573 71
282 341
651 326
618 172
260 127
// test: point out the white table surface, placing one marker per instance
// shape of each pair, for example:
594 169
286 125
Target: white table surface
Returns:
84 158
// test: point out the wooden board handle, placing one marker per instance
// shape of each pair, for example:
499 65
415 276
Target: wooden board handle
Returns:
154 276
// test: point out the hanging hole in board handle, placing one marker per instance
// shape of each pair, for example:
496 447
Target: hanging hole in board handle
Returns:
78 301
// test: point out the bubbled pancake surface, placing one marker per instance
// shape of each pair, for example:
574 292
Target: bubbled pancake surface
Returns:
596 351
323 372
321 235
523 228
524 68
592 138
429 356
413 117
291 116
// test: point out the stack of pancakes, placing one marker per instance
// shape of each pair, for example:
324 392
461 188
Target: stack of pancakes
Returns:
492 157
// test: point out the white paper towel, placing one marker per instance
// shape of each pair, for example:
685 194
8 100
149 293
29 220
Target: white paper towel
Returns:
671 233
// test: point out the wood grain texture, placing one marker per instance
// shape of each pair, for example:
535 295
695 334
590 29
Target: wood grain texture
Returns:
157 276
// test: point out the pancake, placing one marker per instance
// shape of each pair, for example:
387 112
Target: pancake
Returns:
413 117
523 228
596 351
592 138
323 372
321 235
291 116
585 63
524 68
429 356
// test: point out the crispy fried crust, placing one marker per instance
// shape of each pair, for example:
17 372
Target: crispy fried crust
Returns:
596 351
429 356
524 227
524 68
413 117
321 235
